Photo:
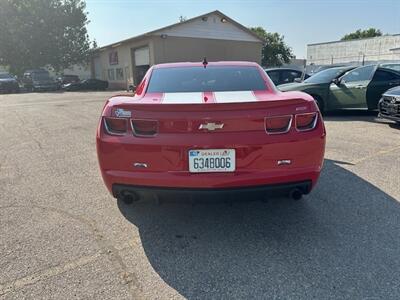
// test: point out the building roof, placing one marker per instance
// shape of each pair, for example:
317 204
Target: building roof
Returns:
217 12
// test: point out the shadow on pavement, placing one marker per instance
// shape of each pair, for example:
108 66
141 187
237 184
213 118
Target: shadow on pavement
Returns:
395 125
341 242
353 115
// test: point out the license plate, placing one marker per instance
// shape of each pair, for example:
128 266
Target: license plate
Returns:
212 160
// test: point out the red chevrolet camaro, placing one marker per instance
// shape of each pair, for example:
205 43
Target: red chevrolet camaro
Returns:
210 127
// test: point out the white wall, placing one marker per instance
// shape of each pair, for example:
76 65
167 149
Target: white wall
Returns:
83 71
372 49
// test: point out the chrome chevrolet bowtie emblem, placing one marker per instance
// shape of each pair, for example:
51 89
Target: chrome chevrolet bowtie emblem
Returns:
211 126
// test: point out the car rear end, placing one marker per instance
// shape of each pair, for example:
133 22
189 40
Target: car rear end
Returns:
211 141
8 86
8 83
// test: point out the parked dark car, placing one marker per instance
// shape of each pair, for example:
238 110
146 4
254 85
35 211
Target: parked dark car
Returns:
8 83
38 80
284 75
394 66
347 87
87 85
65 79
389 105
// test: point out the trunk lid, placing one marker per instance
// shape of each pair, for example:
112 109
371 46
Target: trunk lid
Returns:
189 113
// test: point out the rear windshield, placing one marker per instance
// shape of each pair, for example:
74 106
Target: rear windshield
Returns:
40 76
210 79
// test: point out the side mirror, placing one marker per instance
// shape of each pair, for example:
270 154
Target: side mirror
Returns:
131 88
297 80
336 81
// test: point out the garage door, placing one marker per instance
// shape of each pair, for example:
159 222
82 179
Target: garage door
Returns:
142 63
142 56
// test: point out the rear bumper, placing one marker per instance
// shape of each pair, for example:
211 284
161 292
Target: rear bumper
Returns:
389 117
287 179
45 87
273 189
9 88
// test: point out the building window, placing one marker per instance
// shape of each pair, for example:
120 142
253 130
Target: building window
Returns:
111 74
113 58
120 74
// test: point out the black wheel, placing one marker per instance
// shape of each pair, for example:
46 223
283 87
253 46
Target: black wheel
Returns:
320 103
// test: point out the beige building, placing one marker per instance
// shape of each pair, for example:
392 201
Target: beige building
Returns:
213 35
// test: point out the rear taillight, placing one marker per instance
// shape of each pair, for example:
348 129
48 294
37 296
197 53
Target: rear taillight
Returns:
278 124
144 128
115 126
307 121
282 124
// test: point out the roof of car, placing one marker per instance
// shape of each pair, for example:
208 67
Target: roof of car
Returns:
36 71
340 68
282 69
200 64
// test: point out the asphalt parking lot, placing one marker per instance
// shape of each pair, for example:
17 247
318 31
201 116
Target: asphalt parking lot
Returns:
62 236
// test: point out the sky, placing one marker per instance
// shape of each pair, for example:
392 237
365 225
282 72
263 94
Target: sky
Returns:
301 22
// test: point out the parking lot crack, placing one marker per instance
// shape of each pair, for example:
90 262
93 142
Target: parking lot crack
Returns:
379 153
47 273
106 248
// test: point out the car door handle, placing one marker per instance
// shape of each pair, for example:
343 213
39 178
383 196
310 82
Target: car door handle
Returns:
359 86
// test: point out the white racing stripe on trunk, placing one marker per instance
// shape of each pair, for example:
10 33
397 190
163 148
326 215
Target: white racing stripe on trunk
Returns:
234 97
182 98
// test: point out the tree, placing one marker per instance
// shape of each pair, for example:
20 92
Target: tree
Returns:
37 33
362 34
275 52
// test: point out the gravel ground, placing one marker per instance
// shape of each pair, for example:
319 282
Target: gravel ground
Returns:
62 236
